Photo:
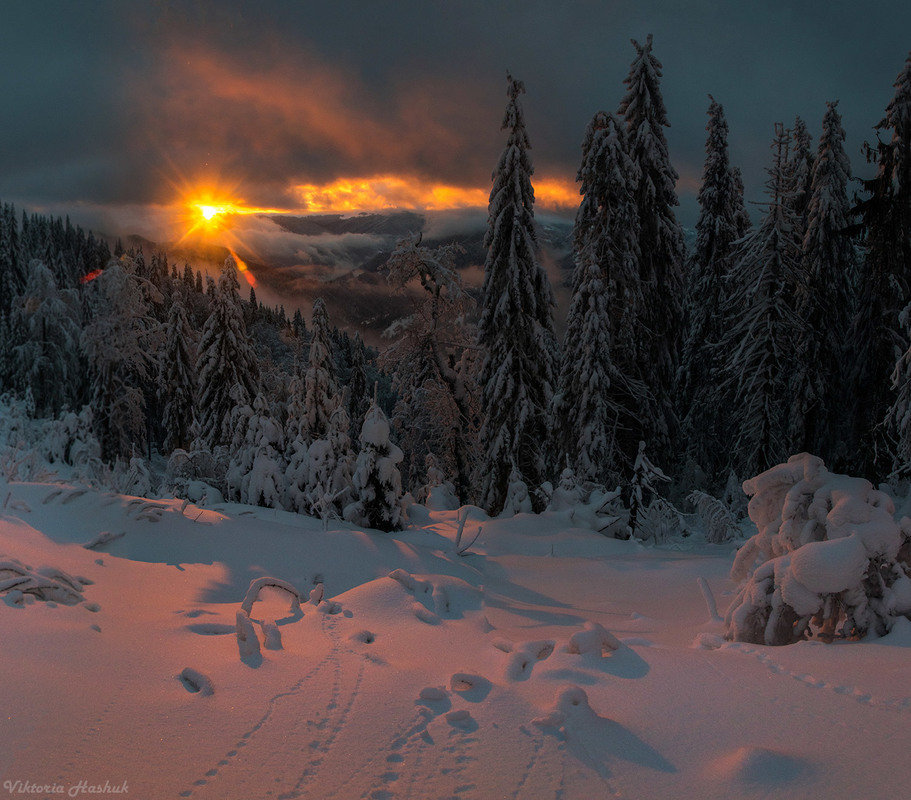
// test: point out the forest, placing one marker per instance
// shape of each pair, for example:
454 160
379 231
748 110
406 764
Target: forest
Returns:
682 371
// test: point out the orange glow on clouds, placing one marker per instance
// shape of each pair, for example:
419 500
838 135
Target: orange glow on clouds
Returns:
383 192
210 214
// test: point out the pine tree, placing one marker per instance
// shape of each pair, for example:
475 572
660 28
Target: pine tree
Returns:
661 247
711 262
760 346
296 409
643 492
436 412
177 377
358 399
226 360
120 344
256 473
821 397
45 347
877 338
741 215
799 169
377 483
329 481
12 276
320 382
600 390
515 331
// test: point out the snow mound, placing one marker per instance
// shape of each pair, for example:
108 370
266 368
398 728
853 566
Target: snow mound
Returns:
754 767
593 638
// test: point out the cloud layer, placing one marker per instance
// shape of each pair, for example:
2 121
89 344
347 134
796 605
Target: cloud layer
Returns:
111 107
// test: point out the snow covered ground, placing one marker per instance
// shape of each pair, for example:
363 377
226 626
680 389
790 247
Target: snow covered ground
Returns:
547 662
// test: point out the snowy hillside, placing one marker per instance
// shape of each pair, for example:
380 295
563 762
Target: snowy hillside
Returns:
545 662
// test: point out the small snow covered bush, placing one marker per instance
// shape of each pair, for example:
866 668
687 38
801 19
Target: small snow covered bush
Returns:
377 482
828 558
720 522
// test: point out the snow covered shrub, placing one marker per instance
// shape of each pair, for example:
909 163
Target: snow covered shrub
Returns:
568 493
127 477
256 474
195 473
650 515
69 439
719 521
377 482
517 498
437 493
829 559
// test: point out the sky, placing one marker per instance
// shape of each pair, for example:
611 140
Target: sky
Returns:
123 114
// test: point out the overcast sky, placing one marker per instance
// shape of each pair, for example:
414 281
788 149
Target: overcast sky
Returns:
123 105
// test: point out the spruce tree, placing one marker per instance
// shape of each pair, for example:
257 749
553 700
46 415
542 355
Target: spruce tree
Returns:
45 345
661 247
256 472
821 395
226 360
358 398
320 382
799 168
711 262
177 377
600 390
877 337
515 331
741 215
120 344
761 344
436 412
377 483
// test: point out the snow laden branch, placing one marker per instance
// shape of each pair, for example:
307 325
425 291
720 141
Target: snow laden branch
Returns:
257 585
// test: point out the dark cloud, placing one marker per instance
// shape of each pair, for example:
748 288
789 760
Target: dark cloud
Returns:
110 103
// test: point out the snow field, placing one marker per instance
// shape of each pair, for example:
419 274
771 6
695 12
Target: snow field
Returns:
479 695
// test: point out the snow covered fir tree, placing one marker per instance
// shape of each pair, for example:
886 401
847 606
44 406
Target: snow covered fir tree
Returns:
680 373
515 331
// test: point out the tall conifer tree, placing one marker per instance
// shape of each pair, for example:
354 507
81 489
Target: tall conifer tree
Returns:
226 360
177 377
515 331
760 345
877 337
821 397
600 391
320 382
661 247
711 262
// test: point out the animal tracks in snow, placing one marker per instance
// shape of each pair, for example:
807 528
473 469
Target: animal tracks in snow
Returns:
902 704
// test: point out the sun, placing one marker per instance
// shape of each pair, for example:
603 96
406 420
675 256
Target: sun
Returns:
214 215
206 215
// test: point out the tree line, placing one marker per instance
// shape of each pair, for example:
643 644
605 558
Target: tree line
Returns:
720 361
